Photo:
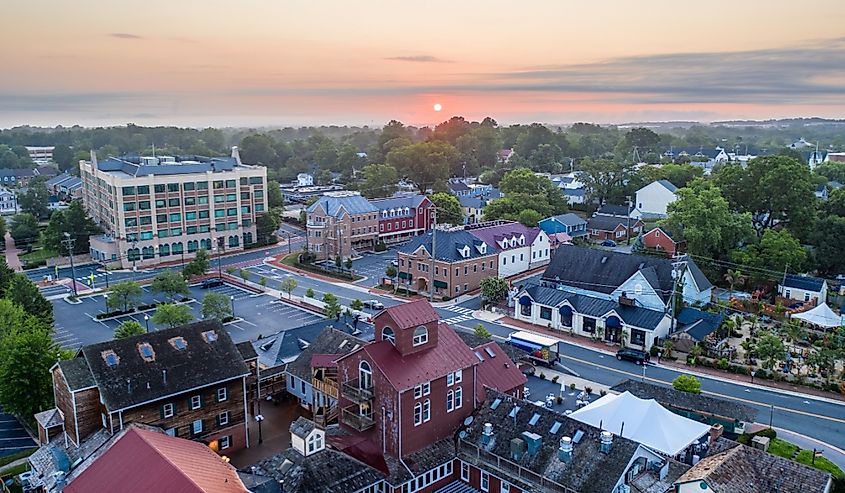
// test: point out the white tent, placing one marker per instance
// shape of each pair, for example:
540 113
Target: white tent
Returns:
821 315
645 422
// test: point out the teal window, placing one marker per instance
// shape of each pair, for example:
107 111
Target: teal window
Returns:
243 181
245 209
247 223
232 226
164 250
232 211
230 183
202 185
175 231
160 203
146 235
220 213
188 186
220 227
219 199
146 220
191 230
173 202
231 197
159 188
259 207
190 216
175 217
143 190
256 180
177 248
203 199
203 214
163 233
244 195
172 187
161 218
204 228
131 237
129 206
190 200
259 194
144 205
130 221
128 190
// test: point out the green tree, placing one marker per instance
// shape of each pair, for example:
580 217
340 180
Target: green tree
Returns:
770 348
529 217
643 139
258 149
705 221
289 284
379 180
448 208
424 164
687 383
216 306
73 221
605 179
735 277
63 157
245 274
36 199
124 296
390 271
26 354
198 266
25 229
129 328
827 238
332 309
266 226
481 331
26 294
274 194
172 315
493 289
309 292
357 304
679 175
6 276
776 250
3 232
171 283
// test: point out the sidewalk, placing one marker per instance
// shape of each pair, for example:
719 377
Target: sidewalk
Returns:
12 252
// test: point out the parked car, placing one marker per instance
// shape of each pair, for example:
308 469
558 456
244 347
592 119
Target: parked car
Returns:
374 304
635 355
394 263
210 283
608 243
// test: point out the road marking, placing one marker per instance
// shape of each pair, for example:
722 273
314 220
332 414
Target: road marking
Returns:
716 394
248 322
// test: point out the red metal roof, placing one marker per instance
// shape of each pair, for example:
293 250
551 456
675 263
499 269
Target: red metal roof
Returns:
403 373
144 461
498 372
411 314
324 360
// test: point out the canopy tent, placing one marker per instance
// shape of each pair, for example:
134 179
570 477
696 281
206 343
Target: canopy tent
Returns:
821 315
643 421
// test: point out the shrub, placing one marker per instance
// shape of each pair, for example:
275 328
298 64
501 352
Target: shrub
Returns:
588 390
446 298
602 392
555 378
723 364
559 399
571 386
768 433
653 351
687 383
380 246
542 375
309 293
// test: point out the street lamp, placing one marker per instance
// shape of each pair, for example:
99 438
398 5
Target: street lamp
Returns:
259 418
232 298
106 301
147 321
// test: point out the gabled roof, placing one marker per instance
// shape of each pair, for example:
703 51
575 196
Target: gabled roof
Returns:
615 210
302 427
495 232
336 205
457 186
143 461
744 469
804 282
698 324
574 192
448 244
568 219
329 341
400 202
666 232
133 381
17 172
668 185
474 202
49 418
77 374
676 399
609 223
496 370
411 314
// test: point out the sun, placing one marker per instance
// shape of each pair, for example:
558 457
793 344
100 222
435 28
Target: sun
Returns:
438 106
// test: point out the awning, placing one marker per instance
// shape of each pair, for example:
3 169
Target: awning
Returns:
440 284
613 322
821 316
525 301
565 310
404 275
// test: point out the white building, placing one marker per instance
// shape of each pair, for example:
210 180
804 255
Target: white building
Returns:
804 288
304 180
653 199
520 248
40 154
8 201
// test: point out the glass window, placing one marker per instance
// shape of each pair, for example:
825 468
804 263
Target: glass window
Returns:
247 223
161 218
223 418
146 220
218 184
420 335
177 248
144 205
259 194
220 227
219 199
245 209
175 217
244 195
129 206
164 250
232 211
426 410
128 190
259 207
167 410
159 188
203 199
190 216
160 203
204 228
173 202
188 186
418 414
545 313
256 180
231 197
202 185
130 221
222 395
163 233
220 213
225 442
196 427
232 226
190 200
143 190
147 235
203 214
191 230
243 181
172 187
230 183
175 231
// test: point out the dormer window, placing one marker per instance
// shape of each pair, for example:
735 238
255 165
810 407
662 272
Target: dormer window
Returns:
179 343
146 352
110 358
387 334
420 335
638 288
209 336
315 443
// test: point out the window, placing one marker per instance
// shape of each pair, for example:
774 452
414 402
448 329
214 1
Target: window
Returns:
196 427
161 218
450 401
128 190
485 481
231 197
225 442
417 414
191 230
163 233
190 200
220 213
190 216
172 187
144 205
202 200
188 186
638 337
147 235
315 443
159 188
129 206
146 352
223 418
146 220
196 402
458 376
218 184
505 488
422 390
130 221
232 211
143 190
420 335
167 410
256 180
545 313
222 394
202 185
160 203
426 410
175 217
464 471
459 401
259 207
230 183
203 215
365 375
175 231
173 202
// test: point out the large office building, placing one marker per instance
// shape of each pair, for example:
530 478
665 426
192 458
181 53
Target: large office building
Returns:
165 208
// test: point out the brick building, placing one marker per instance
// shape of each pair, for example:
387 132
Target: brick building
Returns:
191 381
663 241
403 217
614 228
341 224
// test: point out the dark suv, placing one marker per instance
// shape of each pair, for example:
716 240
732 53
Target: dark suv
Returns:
635 355
211 283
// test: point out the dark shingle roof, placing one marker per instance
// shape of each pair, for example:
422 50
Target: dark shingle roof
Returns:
134 381
614 210
698 324
569 219
804 282
595 307
327 471
608 223
589 471
246 350
302 427
330 341
457 186
668 185
77 374
675 399
448 244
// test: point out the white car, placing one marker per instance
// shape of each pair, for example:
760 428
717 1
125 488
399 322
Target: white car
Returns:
374 304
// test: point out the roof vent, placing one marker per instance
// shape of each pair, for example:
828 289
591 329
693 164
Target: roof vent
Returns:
487 434
209 336
517 449
603 259
534 442
606 442
564 453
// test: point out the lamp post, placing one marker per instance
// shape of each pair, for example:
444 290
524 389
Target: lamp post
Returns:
106 301
147 321
232 298
259 418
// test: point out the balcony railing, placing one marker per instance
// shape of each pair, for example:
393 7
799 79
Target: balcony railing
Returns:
352 418
327 387
315 224
353 391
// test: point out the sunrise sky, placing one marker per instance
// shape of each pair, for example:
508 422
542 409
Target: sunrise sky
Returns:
297 62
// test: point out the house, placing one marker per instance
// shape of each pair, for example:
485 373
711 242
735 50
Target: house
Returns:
602 228
473 208
568 223
505 155
65 186
341 224
191 381
835 157
608 275
520 248
744 469
611 210
697 154
575 195
821 192
801 144
16 176
653 200
731 415
8 201
803 288
661 240
497 370
304 180
402 217
693 327
460 263
458 187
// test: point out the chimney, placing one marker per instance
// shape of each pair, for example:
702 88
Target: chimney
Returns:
534 442
564 453
716 432
606 442
128 386
487 434
517 449
164 376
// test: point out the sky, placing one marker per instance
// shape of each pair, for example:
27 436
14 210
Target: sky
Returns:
311 62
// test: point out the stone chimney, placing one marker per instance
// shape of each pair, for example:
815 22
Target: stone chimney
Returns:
716 432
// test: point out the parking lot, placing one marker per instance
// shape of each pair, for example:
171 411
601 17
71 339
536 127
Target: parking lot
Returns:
13 438
373 265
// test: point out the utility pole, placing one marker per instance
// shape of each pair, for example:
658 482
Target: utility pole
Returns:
68 242
433 249
628 216
677 278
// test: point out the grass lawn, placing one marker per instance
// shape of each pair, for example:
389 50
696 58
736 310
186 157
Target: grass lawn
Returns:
37 255
806 457
11 458
291 260
782 448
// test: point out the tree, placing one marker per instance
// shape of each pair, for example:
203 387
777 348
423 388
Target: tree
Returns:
309 292
702 217
547 196
63 157
274 194
172 315
26 354
735 277
332 309
289 284
679 175
129 328
25 229
481 331
379 180
6 276
776 250
448 208
605 179
529 217
687 383
257 149
643 139
493 289
198 266
36 199
424 164
216 306
171 283
124 295
75 222
357 304
266 226
26 294
3 232
245 274
827 237
770 348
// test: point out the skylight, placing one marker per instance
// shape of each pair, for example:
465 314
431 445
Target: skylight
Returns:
555 428
146 351
179 343
513 412
209 336
489 352
110 358
534 419
495 404
478 355
578 436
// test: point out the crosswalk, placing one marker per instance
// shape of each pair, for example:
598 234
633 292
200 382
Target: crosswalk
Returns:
464 314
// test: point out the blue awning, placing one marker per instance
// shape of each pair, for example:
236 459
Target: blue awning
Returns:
525 301
565 310
613 322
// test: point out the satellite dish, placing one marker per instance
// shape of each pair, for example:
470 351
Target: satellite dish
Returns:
462 435
468 421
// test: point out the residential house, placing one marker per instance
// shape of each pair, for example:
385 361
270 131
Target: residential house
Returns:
821 192
341 224
697 154
304 180
653 199
835 157
602 228
575 195
473 208
568 223
505 155
520 248
458 187
16 176
611 210
803 288
801 144
403 217
693 326
8 201
661 240
190 381
65 186
813 158
461 261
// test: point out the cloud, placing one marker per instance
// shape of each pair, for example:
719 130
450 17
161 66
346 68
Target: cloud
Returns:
418 59
125 36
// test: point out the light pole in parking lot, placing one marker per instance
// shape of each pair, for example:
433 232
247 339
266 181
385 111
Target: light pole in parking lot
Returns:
147 321
106 301
232 298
